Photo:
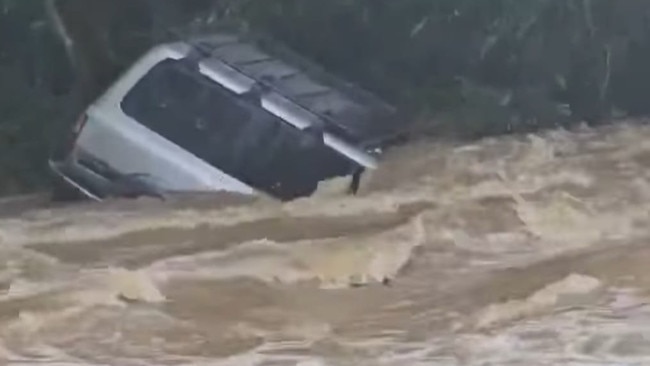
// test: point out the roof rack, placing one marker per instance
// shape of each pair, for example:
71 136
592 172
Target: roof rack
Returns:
337 104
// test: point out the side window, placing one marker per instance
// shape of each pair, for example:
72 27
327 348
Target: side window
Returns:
243 140
188 109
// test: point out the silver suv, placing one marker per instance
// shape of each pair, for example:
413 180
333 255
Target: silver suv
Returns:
226 112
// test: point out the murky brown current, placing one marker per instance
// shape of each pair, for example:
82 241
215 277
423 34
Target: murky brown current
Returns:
530 250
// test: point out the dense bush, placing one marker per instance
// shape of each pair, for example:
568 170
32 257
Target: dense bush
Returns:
458 68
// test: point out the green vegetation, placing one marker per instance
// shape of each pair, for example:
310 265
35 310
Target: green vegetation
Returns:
456 68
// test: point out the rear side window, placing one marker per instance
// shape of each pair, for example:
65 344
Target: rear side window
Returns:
179 103
191 110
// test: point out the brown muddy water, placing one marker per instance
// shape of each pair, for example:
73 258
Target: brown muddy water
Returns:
529 250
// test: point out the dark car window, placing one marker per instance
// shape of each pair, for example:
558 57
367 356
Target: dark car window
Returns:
243 140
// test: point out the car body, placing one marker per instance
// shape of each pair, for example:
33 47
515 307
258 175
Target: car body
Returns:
225 112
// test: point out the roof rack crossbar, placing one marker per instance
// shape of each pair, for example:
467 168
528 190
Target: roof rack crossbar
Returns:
287 76
254 62
269 83
272 86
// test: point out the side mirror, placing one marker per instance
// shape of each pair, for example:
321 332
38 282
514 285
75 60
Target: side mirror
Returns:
355 182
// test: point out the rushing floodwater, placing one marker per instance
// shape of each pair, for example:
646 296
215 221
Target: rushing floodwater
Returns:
529 250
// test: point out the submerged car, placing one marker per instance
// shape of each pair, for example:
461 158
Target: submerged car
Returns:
227 112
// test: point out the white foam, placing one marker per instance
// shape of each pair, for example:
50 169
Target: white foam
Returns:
338 262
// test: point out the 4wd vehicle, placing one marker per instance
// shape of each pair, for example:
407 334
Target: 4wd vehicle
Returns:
227 112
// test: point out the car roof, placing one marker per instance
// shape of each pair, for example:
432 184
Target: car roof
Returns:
340 107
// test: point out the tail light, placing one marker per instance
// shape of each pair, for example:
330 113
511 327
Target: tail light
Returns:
76 131
79 125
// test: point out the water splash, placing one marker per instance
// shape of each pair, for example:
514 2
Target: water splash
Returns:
515 250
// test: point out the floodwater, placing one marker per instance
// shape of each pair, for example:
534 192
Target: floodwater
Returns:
528 250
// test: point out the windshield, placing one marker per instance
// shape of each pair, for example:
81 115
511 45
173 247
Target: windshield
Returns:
245 141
